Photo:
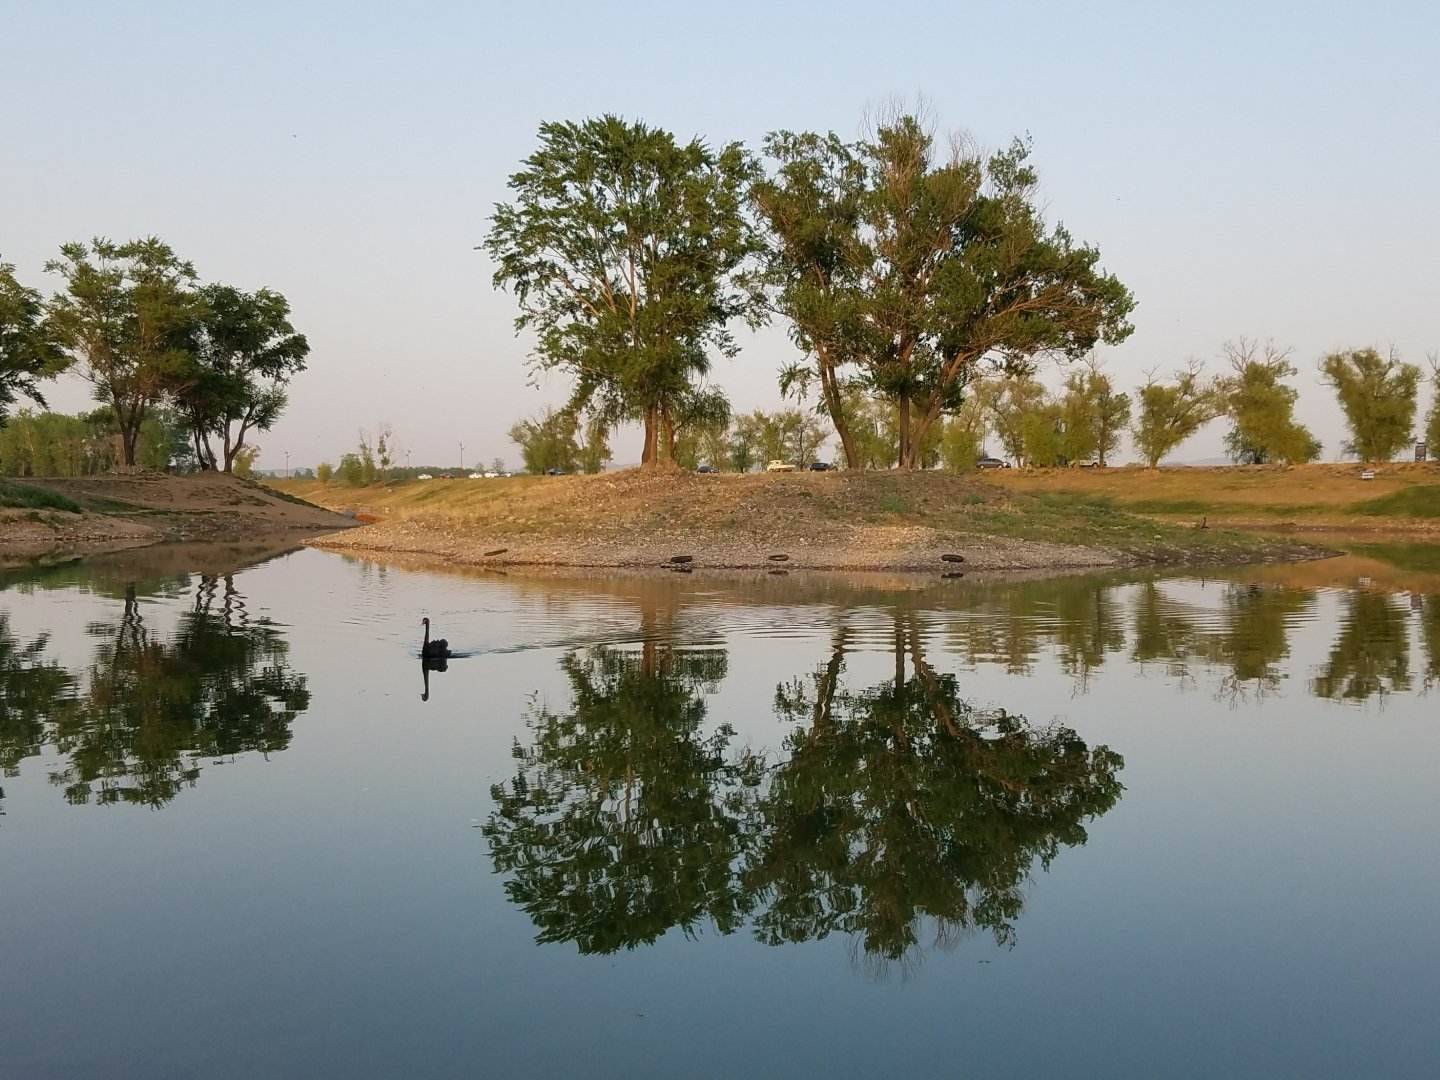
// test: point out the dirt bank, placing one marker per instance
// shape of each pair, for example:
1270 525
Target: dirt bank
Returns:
107 512
834 521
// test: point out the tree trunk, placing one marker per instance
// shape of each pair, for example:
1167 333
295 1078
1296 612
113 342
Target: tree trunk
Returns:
652 433
907 449
667 435
836 406
129 436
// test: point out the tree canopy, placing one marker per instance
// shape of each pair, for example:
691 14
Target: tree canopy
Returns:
125 318
242 353
1170 414
916 266
625 250
1378 396
29 351
1262 408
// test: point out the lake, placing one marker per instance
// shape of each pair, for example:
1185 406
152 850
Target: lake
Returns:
682 825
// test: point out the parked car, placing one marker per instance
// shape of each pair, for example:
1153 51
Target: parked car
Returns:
991 463
477 476
779 466
1368 474
493 475
554 470
705 468
424 476
820 466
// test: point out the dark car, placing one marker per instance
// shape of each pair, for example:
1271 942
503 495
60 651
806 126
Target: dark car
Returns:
991 463
820 466
554 471
705 468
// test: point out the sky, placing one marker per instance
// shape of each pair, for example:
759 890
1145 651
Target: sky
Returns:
1259 169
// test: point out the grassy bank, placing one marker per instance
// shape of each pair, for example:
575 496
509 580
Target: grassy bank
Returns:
81 513
19 495
1401 497
862 520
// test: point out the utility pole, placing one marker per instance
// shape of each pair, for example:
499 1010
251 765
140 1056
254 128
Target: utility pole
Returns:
287 464
462 457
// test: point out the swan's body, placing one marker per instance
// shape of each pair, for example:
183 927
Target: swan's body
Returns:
438 649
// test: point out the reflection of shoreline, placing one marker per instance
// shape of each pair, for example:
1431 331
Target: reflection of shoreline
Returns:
1241 631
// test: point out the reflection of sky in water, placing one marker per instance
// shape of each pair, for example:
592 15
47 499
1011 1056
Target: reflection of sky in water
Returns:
1259 902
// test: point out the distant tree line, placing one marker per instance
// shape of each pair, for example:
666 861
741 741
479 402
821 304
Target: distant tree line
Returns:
921 286
156 345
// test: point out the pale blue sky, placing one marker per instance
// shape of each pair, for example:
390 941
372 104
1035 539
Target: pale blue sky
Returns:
1261 169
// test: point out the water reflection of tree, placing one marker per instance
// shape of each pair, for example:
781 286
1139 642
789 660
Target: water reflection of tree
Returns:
1371 654
902 802
1249 635
151 708
1430 634
31 687
623 819
890 805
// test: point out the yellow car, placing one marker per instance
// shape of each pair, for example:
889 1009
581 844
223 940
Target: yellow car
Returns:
779 466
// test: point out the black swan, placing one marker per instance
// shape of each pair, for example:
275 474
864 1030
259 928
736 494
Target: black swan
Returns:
438 649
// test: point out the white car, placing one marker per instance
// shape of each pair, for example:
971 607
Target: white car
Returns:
424 476
779 466
493 475
477 476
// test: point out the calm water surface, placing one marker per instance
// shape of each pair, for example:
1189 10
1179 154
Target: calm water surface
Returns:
682 825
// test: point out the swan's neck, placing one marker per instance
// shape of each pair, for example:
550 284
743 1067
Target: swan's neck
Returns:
427 636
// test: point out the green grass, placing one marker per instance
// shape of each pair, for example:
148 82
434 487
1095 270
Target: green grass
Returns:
1420 501
1065 518
31 497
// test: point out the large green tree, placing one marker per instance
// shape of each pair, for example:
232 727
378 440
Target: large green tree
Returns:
1094 415
126 317
547 441
28 349
1012 400
626 251
1171 413
232 380
814 204
948 264
1262 408
1378 395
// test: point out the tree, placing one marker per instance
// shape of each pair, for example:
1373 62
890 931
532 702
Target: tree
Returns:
244 460
816 260
745 450
1261 408
127 316
547 441
1013 399
1095 415
29 351
594 453
1042 431
962 442
955 268
1170 414
243 353
1378 395
351 470
624 250
324 471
